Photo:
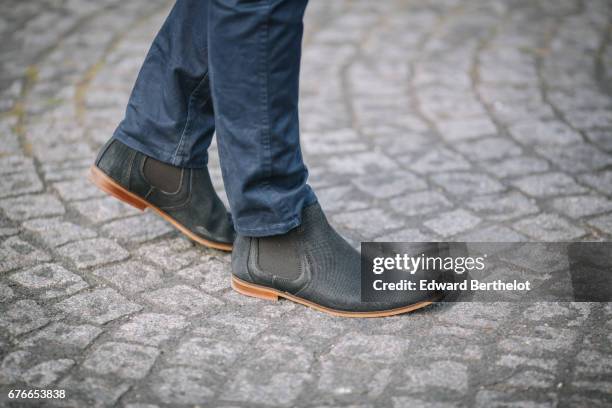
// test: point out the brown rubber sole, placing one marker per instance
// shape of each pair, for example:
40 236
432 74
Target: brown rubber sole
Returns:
111 187
263 292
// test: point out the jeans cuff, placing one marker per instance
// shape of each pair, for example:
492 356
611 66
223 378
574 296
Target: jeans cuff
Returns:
162 156
269 230
280 228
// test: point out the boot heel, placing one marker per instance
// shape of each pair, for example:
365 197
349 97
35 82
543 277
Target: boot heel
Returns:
253 290
109 186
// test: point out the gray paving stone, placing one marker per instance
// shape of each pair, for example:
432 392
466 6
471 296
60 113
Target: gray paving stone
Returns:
600 181
542 339
14 184
6 293
544 311
141 228
448 374
138 405
182 299
604 223
55 231
61 335
361 163
388 185
340 198
287 355
53 172
16 164
9 143
516 166
93 252
234 297
549 227
453 222
17 253
499 72
124 360
332 142
502 206
183 385
579 98
366 347
7 231
31 206
396 145
214 274
45 374
588 387
546 133
549 184
23 316
477 315
406 235
228 326
368 222
152 328
98 306
169 254
439 160
420 203
78 189
592 361
531 379
494 233
514 361
59 153
590 119
103 209
546 260
131 277
578 207
577 158
13 365
601 138
467 183
349 377
489 148
406 401
280 389
92 391
463 129
51 279
488 398
208 352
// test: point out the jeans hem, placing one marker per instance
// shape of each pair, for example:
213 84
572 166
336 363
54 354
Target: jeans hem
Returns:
280 228
269 230
157 154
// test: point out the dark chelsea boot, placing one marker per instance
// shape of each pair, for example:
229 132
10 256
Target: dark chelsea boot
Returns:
184 197
314 266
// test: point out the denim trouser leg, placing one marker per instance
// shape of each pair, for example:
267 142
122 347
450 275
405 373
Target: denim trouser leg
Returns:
243 57
254 52
169 115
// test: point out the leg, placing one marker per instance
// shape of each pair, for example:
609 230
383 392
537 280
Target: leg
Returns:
254 51
170 115
285 247
158 155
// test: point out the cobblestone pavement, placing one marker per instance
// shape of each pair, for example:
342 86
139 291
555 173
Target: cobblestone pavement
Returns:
423 120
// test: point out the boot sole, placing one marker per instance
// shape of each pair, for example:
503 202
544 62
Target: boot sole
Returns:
111 187
263 292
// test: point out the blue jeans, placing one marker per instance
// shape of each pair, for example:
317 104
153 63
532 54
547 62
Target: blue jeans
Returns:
230 66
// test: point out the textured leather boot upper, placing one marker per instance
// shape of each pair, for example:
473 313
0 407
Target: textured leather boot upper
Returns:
186 195
312 262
